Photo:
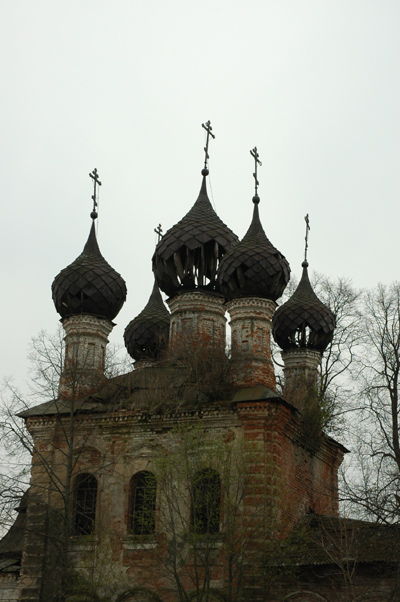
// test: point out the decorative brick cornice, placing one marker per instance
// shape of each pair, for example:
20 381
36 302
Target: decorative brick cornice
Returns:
87 324
197 301
240 308
300 358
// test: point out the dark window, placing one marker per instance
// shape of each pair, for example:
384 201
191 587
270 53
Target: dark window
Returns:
85 495
206 502
143 503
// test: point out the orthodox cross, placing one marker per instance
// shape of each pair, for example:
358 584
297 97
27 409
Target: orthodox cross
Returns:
95 176
208 128
306 239
158 231
257 161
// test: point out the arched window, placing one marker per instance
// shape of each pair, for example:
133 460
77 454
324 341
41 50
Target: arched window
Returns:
143 503
206 502
85 495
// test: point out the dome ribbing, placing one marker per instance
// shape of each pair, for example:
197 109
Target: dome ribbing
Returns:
303 321
254 267
188 255
146 336
89 285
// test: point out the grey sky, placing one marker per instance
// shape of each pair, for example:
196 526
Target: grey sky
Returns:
124 87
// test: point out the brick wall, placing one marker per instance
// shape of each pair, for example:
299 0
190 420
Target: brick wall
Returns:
283 477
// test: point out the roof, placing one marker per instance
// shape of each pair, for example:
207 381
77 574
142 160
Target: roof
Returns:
253 267
301 310
187 256
146 336
149 387
89 285
12 543
326 540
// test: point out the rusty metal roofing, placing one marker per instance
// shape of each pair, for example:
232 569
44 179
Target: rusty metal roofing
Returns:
89 285
254 267
146 336
303 321
11 544
188 255
334 540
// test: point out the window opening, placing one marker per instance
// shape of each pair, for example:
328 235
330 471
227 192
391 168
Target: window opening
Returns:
85 496
143 503
206 502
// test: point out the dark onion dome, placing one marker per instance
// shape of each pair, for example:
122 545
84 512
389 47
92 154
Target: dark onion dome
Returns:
303 321
89 285
188 255
146 336
254 268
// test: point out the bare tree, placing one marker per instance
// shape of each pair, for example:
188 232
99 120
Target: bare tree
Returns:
33 451
374 482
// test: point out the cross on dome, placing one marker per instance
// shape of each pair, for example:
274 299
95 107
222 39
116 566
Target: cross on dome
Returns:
94 175
208 128
255 155
306 238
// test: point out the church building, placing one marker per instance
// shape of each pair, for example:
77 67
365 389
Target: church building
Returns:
193 477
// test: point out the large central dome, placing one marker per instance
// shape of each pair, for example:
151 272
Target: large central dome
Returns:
188 255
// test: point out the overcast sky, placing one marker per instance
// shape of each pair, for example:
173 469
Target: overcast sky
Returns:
125 85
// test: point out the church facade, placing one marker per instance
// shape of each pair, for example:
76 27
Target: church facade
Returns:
192 477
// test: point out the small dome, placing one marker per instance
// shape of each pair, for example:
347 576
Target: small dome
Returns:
303 321
188 255
146 336
254 268
89 285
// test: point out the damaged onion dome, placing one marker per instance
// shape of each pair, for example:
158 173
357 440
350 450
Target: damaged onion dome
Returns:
188 255
303 321
254 268
89 285
146 336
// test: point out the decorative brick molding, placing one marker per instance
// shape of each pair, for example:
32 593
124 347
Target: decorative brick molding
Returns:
86 338
250 321
301 374
140 364
197 314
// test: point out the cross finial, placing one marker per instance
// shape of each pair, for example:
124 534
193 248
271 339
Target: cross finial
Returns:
158 231
255 155
208 128
306 239
95 176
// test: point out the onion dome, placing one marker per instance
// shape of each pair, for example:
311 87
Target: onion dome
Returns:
89 285
303 321
188 255
146 336
254 268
